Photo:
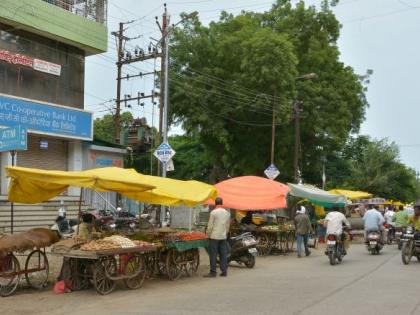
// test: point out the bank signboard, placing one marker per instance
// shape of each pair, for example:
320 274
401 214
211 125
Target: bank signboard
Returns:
43 118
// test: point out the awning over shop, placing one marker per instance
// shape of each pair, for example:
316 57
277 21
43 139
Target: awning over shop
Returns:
350 194
252 193
317 196
35 185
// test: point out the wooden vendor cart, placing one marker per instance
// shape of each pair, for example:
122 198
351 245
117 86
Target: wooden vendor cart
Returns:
30 245
104 268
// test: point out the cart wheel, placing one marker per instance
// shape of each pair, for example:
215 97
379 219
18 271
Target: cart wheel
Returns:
263 244
102 283
37 269
78 279
9 277
173 264
193 257
133 265
149 264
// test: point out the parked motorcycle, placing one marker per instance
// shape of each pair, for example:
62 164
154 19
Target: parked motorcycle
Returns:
103 220
243 249
335 249
410 245
126 222
65 228
399 232
374 242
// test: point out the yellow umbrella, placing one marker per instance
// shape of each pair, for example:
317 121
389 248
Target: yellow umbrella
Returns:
173 192
350 194
30 185
36 185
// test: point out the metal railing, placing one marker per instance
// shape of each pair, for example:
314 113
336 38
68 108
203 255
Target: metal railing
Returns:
94 10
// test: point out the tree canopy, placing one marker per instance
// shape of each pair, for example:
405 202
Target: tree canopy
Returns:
227 78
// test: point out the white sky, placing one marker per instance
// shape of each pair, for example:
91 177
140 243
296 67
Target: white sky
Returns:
381 35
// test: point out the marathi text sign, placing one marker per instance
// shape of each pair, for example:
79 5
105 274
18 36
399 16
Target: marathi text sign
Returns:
37 64
45 118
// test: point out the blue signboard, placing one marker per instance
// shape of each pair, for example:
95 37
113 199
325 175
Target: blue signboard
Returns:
13 138
45 118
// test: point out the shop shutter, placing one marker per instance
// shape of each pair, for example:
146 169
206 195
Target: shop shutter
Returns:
55 157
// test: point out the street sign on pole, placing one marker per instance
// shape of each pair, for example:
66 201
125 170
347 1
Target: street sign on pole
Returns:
164 153
13 138
271 172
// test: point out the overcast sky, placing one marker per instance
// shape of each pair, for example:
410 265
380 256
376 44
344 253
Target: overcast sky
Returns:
382 35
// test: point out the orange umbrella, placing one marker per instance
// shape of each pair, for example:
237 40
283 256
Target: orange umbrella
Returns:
252 193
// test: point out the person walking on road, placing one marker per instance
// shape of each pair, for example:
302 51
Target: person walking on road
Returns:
217 229
303 228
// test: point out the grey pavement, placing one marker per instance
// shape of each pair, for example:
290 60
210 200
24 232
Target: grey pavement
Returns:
362 284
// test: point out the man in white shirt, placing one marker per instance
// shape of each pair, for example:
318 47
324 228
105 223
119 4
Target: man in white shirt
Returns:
217 229
389 216
334 222
389 219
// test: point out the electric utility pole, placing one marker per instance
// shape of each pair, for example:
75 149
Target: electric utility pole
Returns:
120 36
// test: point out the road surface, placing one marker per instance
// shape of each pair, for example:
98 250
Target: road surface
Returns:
362 284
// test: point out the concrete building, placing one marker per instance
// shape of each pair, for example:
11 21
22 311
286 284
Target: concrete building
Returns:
43 46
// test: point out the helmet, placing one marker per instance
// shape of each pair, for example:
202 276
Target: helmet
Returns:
119 209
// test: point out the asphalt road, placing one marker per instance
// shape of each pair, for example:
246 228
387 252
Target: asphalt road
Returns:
362 284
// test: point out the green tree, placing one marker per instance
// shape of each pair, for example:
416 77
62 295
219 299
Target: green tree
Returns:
227 78
104 127
373 166
191 160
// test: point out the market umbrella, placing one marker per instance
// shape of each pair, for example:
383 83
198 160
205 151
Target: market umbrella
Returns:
36 185
252 193
350 194
29 185
317 196
173 192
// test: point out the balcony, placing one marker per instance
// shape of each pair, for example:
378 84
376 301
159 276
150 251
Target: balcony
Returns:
78 23
94 10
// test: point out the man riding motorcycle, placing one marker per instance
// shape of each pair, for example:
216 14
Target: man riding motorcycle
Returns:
415 219
374 221
334 222
400 218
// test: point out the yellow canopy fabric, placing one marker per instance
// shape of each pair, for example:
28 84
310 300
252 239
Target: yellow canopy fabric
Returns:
173 192
36 185
350 194
30 185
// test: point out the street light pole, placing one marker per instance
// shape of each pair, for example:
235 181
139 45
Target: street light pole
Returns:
165 39
273 131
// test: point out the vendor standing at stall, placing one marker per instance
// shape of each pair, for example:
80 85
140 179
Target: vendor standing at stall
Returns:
217 229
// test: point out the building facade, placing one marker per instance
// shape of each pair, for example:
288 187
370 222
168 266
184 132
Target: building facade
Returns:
43 46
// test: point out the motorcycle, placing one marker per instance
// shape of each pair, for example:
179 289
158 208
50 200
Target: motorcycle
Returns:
374 242
410 245
335 249
243 249
399 232
390 233
65 228
103 220
126 222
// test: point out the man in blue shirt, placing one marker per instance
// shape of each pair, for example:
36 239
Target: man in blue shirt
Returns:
373 220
